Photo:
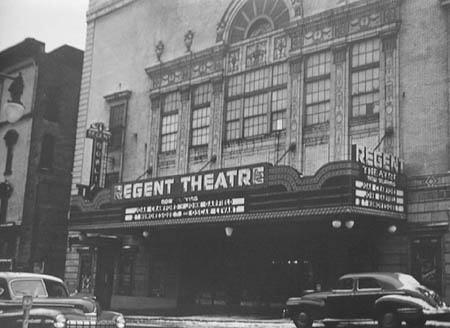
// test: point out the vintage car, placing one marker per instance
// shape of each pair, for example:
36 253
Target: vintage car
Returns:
389 298
52 306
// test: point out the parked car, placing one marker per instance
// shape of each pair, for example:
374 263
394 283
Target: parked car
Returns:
389 298
52 306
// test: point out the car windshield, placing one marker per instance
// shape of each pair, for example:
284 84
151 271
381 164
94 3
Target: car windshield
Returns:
408 280
31 287
55 288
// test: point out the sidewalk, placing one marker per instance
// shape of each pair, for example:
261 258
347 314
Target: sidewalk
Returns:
234 322
206 321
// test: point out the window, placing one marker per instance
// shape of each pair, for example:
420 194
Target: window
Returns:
259 27
47 152
365 83
4 292
368 283
255 115
256 103
22 287
344 284
169 122
85 277
279 105
317 87
426 262
116 126
10 138
111 160
55 289
201 113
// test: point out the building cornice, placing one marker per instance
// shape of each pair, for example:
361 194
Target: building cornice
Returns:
106 8
336 27
119 95
190 68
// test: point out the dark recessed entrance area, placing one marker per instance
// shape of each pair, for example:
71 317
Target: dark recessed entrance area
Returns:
260 265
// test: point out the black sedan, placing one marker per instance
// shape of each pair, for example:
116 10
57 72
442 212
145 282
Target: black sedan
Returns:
389 298
51 304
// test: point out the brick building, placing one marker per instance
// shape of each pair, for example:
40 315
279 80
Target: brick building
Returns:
232 153
36 155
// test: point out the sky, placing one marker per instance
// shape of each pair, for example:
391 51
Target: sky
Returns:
54 22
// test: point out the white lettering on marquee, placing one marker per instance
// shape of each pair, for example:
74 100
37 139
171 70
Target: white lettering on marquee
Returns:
380 189
221 181
378 160
210 181
188 208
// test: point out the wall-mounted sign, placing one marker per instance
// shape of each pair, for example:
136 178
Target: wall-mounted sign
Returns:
232 179
185 207
100 136
381 184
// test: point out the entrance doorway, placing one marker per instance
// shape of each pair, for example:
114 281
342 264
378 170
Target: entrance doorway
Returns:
104 276
426 262
258 268
253 270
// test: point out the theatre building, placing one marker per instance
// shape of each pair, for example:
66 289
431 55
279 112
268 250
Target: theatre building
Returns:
233 153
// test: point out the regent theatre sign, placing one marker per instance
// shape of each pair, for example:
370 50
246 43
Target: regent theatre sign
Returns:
381 185
191 195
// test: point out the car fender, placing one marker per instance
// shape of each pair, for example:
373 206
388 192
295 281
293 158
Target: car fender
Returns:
314 306
405 305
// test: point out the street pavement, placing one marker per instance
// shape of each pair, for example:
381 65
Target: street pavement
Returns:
211 321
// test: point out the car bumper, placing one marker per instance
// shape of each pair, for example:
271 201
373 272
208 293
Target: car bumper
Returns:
441 314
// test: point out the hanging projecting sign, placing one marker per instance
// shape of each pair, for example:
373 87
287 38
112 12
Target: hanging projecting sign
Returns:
382 183
100 136
198 194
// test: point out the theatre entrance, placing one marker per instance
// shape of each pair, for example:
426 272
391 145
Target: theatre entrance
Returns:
257 269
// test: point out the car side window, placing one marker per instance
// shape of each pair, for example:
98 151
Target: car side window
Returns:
368 283
55 289
344 284
4 292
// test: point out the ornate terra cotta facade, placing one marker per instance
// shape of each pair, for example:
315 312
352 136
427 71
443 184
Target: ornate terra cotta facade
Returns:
283 122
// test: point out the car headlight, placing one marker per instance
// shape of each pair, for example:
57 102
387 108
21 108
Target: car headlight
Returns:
120 321
60 321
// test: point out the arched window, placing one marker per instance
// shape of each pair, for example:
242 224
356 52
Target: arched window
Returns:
259 27
47 152
254 18
11 138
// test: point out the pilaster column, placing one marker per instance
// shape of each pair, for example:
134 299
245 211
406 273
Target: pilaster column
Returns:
216 123
155 132
184 117
294 130
339 105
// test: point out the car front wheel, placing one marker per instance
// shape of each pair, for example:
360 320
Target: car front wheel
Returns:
389 319
302 319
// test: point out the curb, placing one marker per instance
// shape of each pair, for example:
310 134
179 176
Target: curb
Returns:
237 322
